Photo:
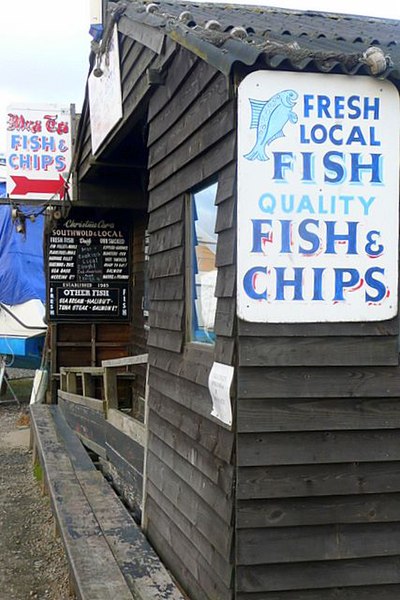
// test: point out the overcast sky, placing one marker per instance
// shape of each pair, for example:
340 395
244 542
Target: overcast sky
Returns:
45 46
44 53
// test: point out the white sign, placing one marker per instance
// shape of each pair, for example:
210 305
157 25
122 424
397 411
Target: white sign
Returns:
219 384
105 99
318 187
38 151
95 12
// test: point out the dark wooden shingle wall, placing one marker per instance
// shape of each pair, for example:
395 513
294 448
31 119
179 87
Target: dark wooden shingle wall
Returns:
315 454
189 504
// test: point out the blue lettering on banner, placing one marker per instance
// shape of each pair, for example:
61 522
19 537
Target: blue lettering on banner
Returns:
340 107
305 238
287 237
336 167
37 153
287 283
320 204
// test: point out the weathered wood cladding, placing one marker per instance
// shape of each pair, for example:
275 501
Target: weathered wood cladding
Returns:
339 522
318 351
89 424
123 457
317 461
319 344
383 592
314 457
374 572
189 505
126 459
87 344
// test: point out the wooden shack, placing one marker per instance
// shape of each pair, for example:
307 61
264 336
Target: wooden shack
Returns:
292 489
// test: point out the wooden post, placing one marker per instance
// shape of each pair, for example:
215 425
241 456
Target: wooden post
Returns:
71 382
88 387
93 344
146 425
52 392
110 388
63 381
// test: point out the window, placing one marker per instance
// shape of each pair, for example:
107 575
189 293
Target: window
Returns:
202 271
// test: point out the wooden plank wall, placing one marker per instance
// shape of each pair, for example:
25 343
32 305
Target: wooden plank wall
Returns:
317 414
75 344
87 344
87 422
189 503
318 471
122 457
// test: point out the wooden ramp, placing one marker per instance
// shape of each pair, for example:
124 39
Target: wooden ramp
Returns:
108 553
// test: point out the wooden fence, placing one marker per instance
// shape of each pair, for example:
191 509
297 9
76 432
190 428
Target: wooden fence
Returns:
89 400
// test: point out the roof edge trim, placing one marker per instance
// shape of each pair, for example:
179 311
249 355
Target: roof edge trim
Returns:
142 33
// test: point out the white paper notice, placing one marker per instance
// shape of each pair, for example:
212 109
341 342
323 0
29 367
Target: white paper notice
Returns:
219 384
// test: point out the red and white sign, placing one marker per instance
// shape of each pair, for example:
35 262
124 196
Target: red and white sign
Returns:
38 152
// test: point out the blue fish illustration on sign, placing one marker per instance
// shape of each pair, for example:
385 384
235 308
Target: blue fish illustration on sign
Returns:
269 118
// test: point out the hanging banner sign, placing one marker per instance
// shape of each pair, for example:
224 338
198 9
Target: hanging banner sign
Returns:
318 189
105 96
38 152
89 270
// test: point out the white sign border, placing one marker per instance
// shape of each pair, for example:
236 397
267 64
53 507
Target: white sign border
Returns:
266 311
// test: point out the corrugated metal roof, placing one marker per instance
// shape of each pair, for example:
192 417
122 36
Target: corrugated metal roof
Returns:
281 38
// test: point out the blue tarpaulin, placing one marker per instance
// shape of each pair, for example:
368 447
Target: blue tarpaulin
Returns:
21 259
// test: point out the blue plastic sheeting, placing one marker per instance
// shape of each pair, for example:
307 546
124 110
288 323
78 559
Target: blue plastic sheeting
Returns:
22 353
96 31
22 275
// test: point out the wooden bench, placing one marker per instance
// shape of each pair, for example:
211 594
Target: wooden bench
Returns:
108 553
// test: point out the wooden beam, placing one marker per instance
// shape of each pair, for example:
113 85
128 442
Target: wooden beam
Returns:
88 387
110 388
92 403
71 382
92 370
140 359
131 427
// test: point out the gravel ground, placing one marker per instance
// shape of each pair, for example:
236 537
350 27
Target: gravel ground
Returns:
32 560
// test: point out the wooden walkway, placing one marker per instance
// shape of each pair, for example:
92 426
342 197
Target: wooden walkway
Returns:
108 553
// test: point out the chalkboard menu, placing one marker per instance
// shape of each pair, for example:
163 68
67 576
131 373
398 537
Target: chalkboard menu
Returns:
89 270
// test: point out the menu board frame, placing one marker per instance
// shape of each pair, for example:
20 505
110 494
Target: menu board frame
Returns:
89 268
